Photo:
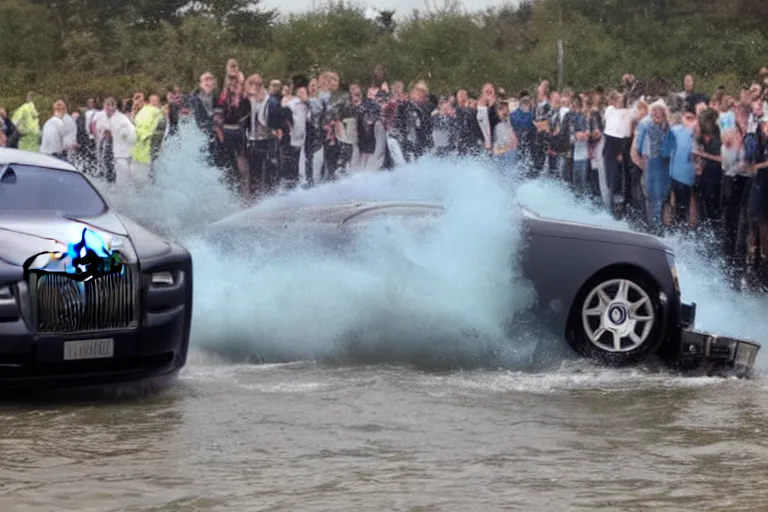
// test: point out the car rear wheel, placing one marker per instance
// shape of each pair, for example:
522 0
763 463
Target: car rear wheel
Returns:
619 320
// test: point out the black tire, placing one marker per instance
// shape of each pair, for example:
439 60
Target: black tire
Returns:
579 339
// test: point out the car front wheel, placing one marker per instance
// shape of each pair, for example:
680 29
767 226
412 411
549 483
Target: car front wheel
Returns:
619 321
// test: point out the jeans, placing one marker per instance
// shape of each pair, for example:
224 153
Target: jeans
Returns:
565 168
682 203
657 189
505 163
580 169
734 192
613 168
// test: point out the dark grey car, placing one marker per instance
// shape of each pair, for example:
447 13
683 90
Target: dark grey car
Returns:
87 297
613 295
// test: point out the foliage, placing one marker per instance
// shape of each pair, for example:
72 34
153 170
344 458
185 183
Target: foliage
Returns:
82 48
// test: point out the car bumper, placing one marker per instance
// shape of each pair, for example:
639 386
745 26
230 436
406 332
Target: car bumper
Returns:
34 362
708 354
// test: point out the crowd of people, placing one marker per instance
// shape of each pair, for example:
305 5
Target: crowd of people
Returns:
667 160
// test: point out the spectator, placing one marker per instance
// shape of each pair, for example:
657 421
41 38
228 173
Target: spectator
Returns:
115 137
655 162
146 122
682 168
579 140
504 139
27 122
9 132
522 123
444 128
703 159
54 134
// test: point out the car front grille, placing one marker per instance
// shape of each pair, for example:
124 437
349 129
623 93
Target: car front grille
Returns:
63 305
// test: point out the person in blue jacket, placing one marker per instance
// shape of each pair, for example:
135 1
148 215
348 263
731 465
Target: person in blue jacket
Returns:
682 166
525 131
654 144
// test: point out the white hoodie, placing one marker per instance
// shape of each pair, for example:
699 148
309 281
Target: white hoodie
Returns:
70 131
89 114
54 132
301 113
122 130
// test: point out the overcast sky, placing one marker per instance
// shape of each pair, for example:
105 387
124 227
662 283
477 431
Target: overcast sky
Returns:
401 7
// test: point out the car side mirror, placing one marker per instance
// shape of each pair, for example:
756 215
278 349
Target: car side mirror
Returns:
9 176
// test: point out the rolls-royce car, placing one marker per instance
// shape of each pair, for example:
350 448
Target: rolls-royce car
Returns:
87 296
612 295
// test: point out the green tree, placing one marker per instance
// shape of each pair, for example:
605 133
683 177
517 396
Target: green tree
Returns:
82 48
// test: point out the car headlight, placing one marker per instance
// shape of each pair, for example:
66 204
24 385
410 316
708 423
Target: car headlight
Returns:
6 292
163 279
673 270
675 280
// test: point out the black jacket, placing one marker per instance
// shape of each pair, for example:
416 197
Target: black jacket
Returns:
11 133
203 118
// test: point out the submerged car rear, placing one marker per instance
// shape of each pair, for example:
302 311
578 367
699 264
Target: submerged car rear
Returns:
703 352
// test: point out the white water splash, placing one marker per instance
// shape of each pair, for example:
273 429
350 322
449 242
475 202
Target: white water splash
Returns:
440 299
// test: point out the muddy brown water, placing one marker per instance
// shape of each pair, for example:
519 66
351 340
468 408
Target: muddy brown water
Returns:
241 437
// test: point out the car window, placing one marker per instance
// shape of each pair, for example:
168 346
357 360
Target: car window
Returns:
402 212
529 213
32 188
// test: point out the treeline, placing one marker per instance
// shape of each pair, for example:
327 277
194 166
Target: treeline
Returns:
81 48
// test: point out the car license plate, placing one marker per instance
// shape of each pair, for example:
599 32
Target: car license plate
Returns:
89 349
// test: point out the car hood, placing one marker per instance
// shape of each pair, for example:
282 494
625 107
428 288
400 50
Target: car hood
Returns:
576 230
26 234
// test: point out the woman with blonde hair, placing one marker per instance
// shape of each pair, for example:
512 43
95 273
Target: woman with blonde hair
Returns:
230 115
232 77
655 145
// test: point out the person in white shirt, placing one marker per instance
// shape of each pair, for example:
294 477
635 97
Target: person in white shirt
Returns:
115 138
90 111
736 183
70 134
299 107
579 134
55 133
560 142
504 139
616 135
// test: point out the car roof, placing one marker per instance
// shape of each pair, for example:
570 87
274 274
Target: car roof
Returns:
334 213
331 213
20 157
367 206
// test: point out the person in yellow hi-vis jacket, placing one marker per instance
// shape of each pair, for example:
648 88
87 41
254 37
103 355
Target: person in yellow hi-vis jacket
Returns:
146 122
27 123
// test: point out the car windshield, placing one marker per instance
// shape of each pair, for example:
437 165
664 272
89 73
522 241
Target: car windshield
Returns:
32 188
528 212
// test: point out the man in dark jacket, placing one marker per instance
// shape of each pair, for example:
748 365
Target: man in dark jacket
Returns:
202 103
265 119
414 124
10 133
522 124
469 134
